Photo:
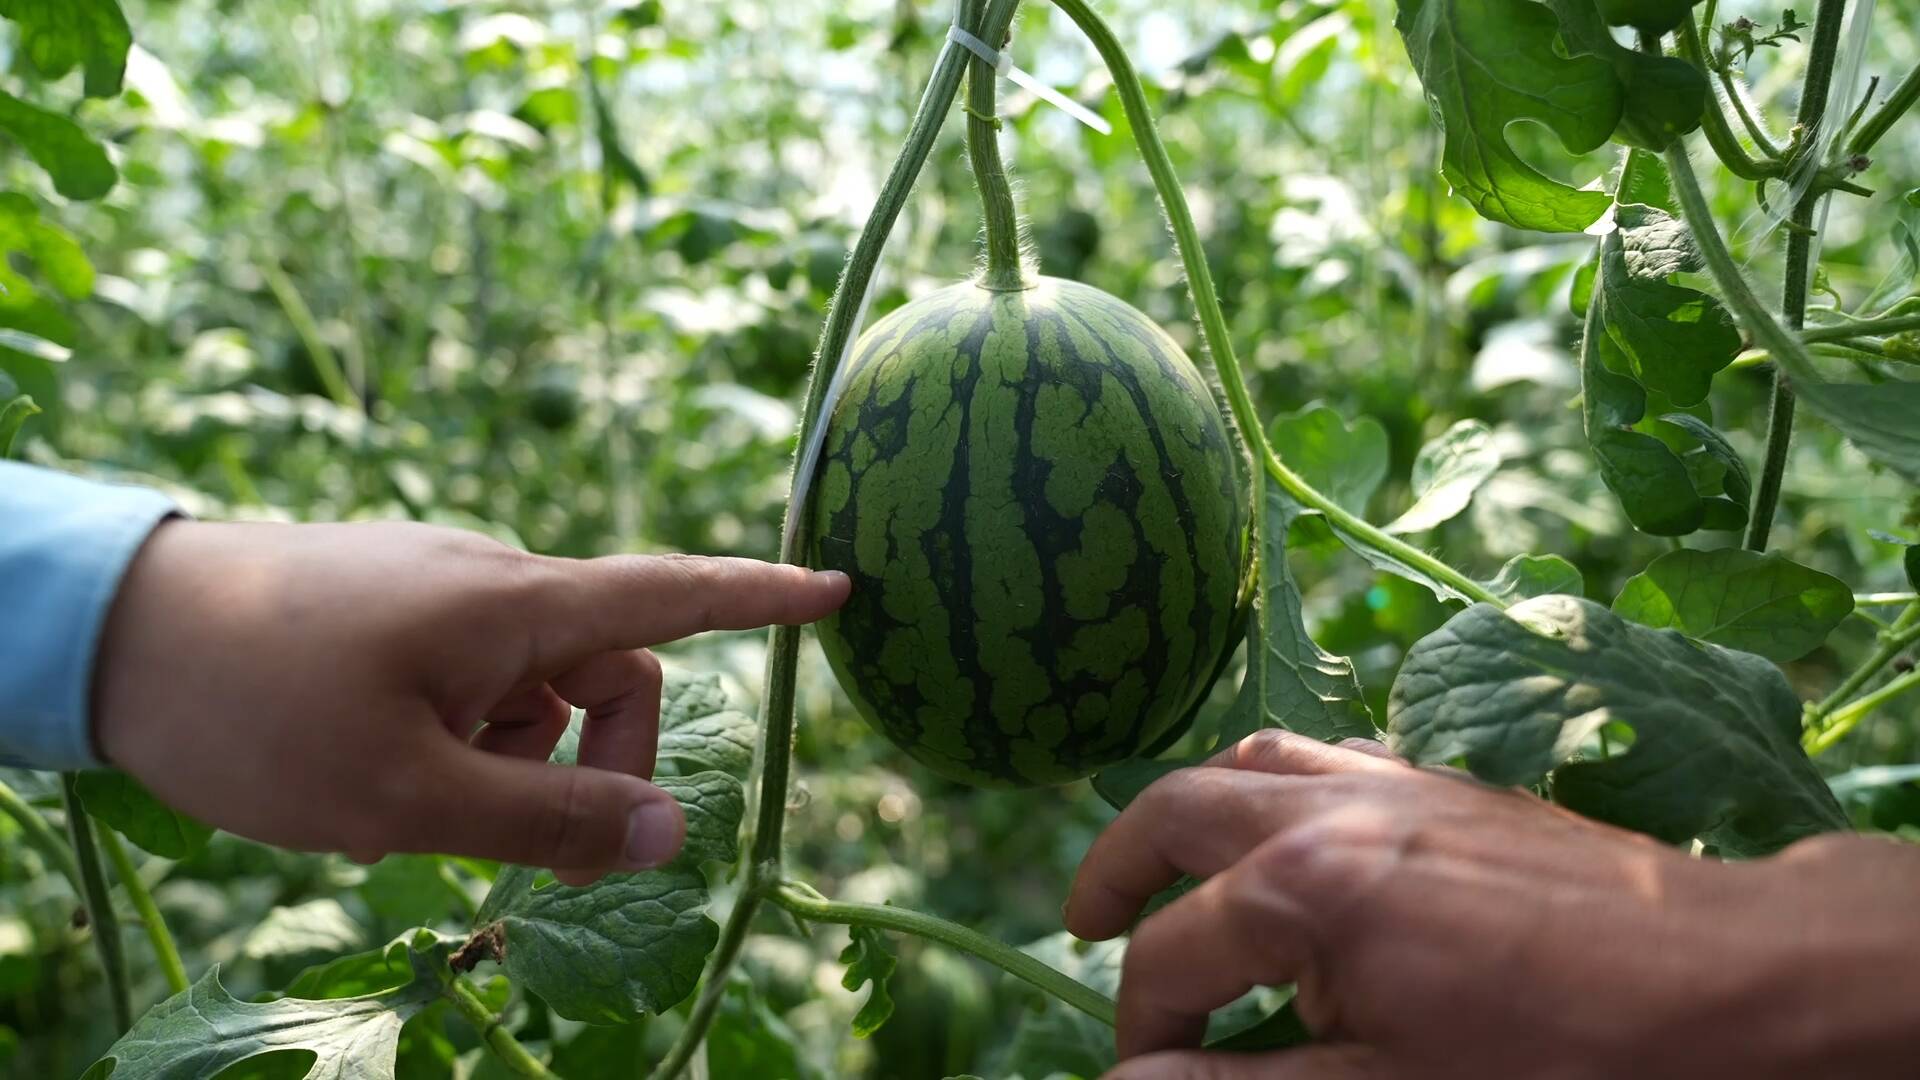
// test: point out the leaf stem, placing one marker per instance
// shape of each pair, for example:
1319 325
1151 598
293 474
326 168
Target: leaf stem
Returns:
1001 218
1799 271
1713 120
907 921
1883 118
100 917
1213 323
1904 632
41 835
511 1052
155 924
1859 328
1884 599
326 366
766 813
1849 717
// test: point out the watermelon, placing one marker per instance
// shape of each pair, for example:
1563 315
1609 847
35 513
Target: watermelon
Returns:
1040 507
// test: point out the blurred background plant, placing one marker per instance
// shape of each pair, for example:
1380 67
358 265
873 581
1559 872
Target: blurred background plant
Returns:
555 272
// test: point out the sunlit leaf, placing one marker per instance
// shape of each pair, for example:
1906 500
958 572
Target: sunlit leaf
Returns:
1346 462
1536 575
1766 604
1446 474
1488 63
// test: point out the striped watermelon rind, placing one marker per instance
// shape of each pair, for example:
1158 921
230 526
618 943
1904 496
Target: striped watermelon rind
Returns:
1037 498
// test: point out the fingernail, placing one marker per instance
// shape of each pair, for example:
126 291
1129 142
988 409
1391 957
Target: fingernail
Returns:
833 577
653 834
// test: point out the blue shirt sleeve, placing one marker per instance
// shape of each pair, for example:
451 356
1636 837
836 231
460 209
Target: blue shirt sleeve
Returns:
65 543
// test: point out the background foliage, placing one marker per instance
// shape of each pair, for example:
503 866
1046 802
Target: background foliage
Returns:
555 272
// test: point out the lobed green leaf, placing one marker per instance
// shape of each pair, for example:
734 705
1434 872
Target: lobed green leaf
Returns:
1488 63
1516 695
1446 473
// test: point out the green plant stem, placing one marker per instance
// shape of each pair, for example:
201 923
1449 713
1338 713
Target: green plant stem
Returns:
1859 328
766 812
155 924
326 366
1002 219
1747 120
99 903
1894 639
1846 719
1213 323
41 835
498 1039
1799 272
1883 118
1713 121
1884 598
998 953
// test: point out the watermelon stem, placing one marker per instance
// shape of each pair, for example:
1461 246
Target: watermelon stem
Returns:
1004 270
803 902
767 791
1213 323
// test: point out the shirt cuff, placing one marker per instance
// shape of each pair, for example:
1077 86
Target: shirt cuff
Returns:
65 544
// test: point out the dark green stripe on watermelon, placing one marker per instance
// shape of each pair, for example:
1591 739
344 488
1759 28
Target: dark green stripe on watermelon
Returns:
1036 497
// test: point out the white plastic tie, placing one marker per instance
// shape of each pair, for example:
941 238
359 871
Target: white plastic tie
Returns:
1003 64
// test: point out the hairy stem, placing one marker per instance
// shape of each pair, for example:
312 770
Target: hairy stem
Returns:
1002 218
158 935
1713 121
773 762
998 953
41 836
1213 323
99 903
1799 272
499 1040
1748 312
1883 118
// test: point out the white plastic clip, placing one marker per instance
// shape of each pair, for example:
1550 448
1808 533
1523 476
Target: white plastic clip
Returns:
1004 65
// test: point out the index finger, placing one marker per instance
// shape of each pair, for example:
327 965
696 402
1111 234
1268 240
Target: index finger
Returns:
635 601
1201 820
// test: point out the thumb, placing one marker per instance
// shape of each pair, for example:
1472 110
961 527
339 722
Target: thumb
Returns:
570 817
1330 1062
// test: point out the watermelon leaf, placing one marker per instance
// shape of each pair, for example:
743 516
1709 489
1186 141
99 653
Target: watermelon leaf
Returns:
58 35
14 414
203 1029
77 165
1446 473
634 944
1715 752
869 960
1536 575
1669 338
1344 461
124 803
1488 63
1765 604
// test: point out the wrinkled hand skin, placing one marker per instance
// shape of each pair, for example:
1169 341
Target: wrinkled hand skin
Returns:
1437 927
382 688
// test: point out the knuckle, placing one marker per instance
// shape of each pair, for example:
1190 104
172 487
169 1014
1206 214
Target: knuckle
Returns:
1268 750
